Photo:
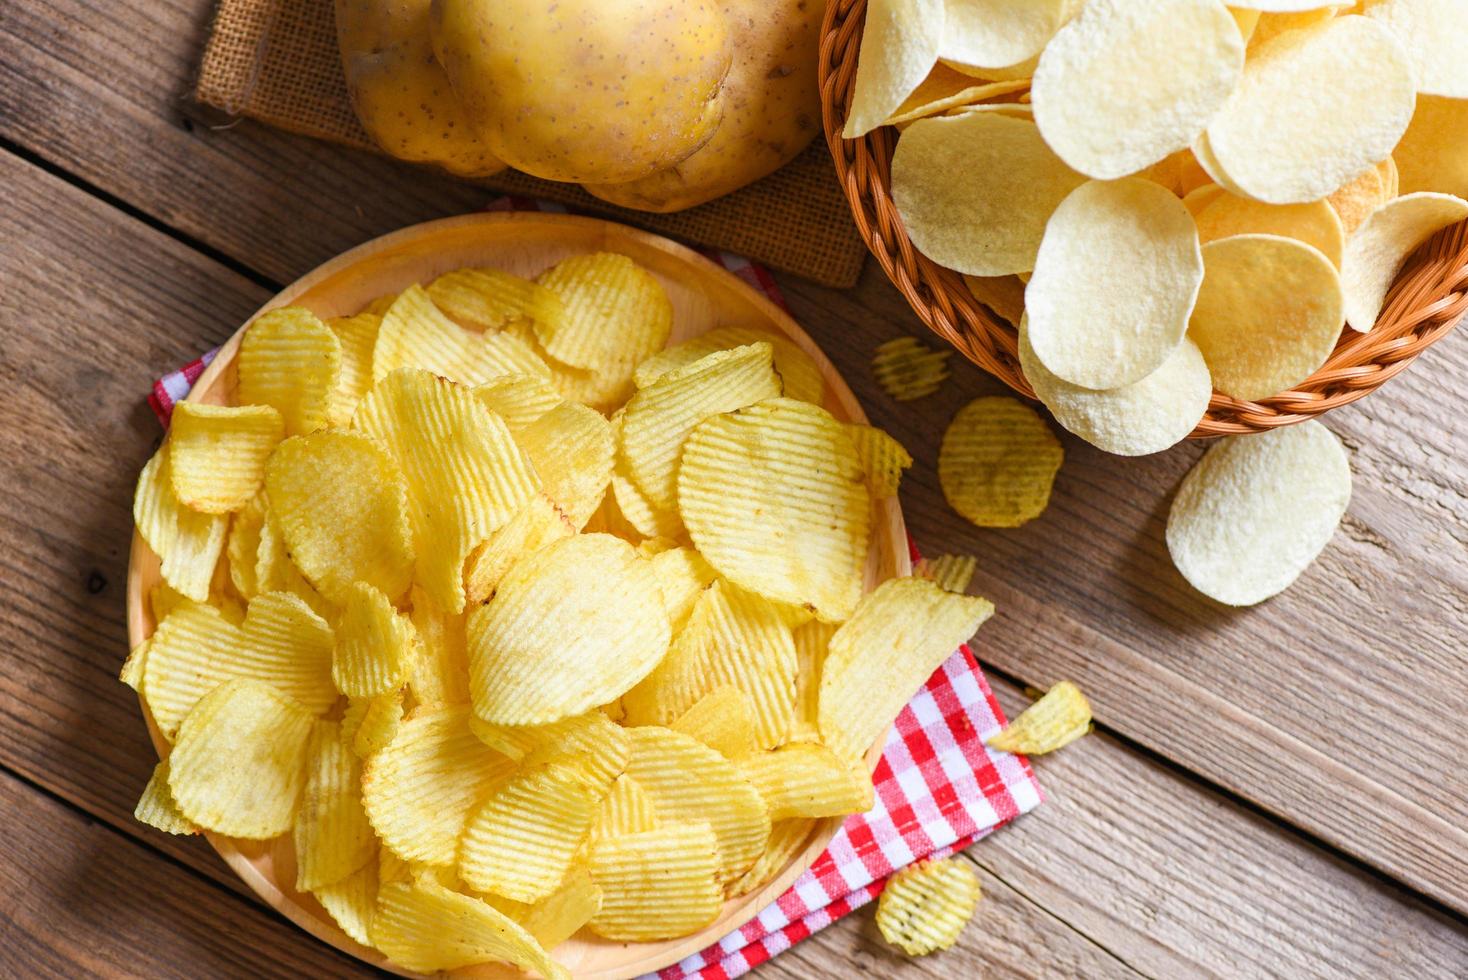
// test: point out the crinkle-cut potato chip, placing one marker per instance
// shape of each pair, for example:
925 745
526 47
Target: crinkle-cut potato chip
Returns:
537 524
1315 223
724 720
519 399
572 626
1379 249
558 917
908 369
134 666
1114 283
883 459
1434 33
603 390
440 672
733 638
658 884
627 809
370 724
900 633
465 475
420 789
380 305
626 511
508 353
374 644
1005 295
416 334
774 498
798 371
281 643
358 338
615 313
572 448
997 462
946 89
1144 417
157 809
1314 108
1433 156
1268 315
682 575
219 453
332 836
291 361
513 740
951 573
975 191
812 639
239 763
1058 718
425 927
787 839
1125 83
1000 32
521 841
340 503
659 418
806 779
1256 510
926 905
187 542
591 743
351 902
276 572
490 299
899 43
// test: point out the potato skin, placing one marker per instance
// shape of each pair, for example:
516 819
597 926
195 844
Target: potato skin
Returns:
401 94
771 113
586 90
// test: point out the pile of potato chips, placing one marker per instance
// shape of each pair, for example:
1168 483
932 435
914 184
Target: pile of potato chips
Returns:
1171 197
504 666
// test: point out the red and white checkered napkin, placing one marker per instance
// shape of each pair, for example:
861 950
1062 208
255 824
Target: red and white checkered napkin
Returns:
938 787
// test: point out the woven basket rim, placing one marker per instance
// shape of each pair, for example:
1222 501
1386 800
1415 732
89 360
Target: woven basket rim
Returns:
1426 301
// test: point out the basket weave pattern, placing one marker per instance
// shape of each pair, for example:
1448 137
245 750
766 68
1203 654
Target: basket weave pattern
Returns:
1426 302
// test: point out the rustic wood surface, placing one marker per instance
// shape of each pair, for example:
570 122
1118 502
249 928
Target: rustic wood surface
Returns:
1276 791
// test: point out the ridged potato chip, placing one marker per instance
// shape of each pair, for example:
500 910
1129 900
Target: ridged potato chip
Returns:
572 626
882 459
425 927
218 453
724 720
157 809
1256 510
627 809
1315 223
134 667
440 672
812 640
416 334
357 336
276 572
682 575
1433 33
239 763
352 901
1005 295
1001 32
946 89
787 839
370 724
997 462
951 573
616 314
572 905
926 905
538 523
187 543
806 779
907 369
657 884
491 299
519 399
593 745
1052 722
571 447
880 657
242 545
332 836
521 841
773 497
1379 248
374 644
629 506
900 42
798 371
291 361
1431 156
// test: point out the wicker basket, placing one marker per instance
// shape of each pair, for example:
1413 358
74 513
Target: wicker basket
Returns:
1426 302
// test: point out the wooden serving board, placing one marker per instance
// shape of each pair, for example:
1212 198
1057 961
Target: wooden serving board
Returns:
704 296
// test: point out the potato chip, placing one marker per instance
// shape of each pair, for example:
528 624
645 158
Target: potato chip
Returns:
340 503
134 667
520 842
1058 718
416 334
538 523
811 642
1314 108
788 838
806 779
1146 416
464 473
571 447
907 369
187 543
997 462
487 300
616 314
590 743
1200 197
156 807
926 905
1116 69
1212 171
658 884
1102 323
572 626
218 453
370 724
1431 156
1256 510
380 305
894 641
357 336
682 576
239 763
946 89
1000 32
1024 69
425 927
1390 176
899 43
519 399
627 809
242 545
374 644
332 836
276 572
882 459
1246 20
1379 249
1315 223
628 511
724 719
439 674
1433 33
799 372
975 191
773 497
951 573
1004 295
351 902
291 361
555 919
1270 23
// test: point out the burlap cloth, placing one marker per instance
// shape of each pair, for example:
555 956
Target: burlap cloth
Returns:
276 61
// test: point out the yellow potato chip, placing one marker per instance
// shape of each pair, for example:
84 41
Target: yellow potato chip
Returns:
520 842
926 905
682 575
187 542
997 462
490 299
374 644
572 626
242 545
1432 32
773 497
1391 178
1200 197
156 807
291 361
724 720
787 839
806 779
276 572
946 89
657 884
812 640
571 447
1355 201
1431 156
239 763
572 905
1001 32
218 453
1256 510
416 334
1314 223
370 724
894 641
440 672
1004 295
627 809
1380 247
425 927
332 836
882 459
975 191
1247 21
519 399
951 573
1083 305
1024 69
1058 718
899 43
630 510
380 305
357 336
907 369
134 666
465 475
616 314
351 902
1270 23
798 371
596 747
538 523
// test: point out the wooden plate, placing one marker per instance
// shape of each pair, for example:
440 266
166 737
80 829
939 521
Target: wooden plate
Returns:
704 296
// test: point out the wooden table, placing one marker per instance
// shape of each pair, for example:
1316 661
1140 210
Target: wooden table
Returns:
1275 791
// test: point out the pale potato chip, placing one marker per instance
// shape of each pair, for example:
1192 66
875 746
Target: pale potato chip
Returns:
572 626
616 314
519 399
1433 32
1103 323
370 724
1379 249
572 448
242 545
1116 69
595 746
332 836
1024 69
682 575
440 672
1314 108
907 369
425 927
157 809
1391 177
997 462
812 640
880 657
239 763
219 453
187 542
538 523
290 360
1432 155
1058 718
557 918
946 89
788 839
1315 223
1256 510
951 573
799 372
1000 32
357 336
926 905
134 667
374 644
899 43
521 841
724 719
1004 295
416 334
1199 198
882 459
351 902
975 191
773 497
627 809
806 779
658 884
490 299
1208 163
